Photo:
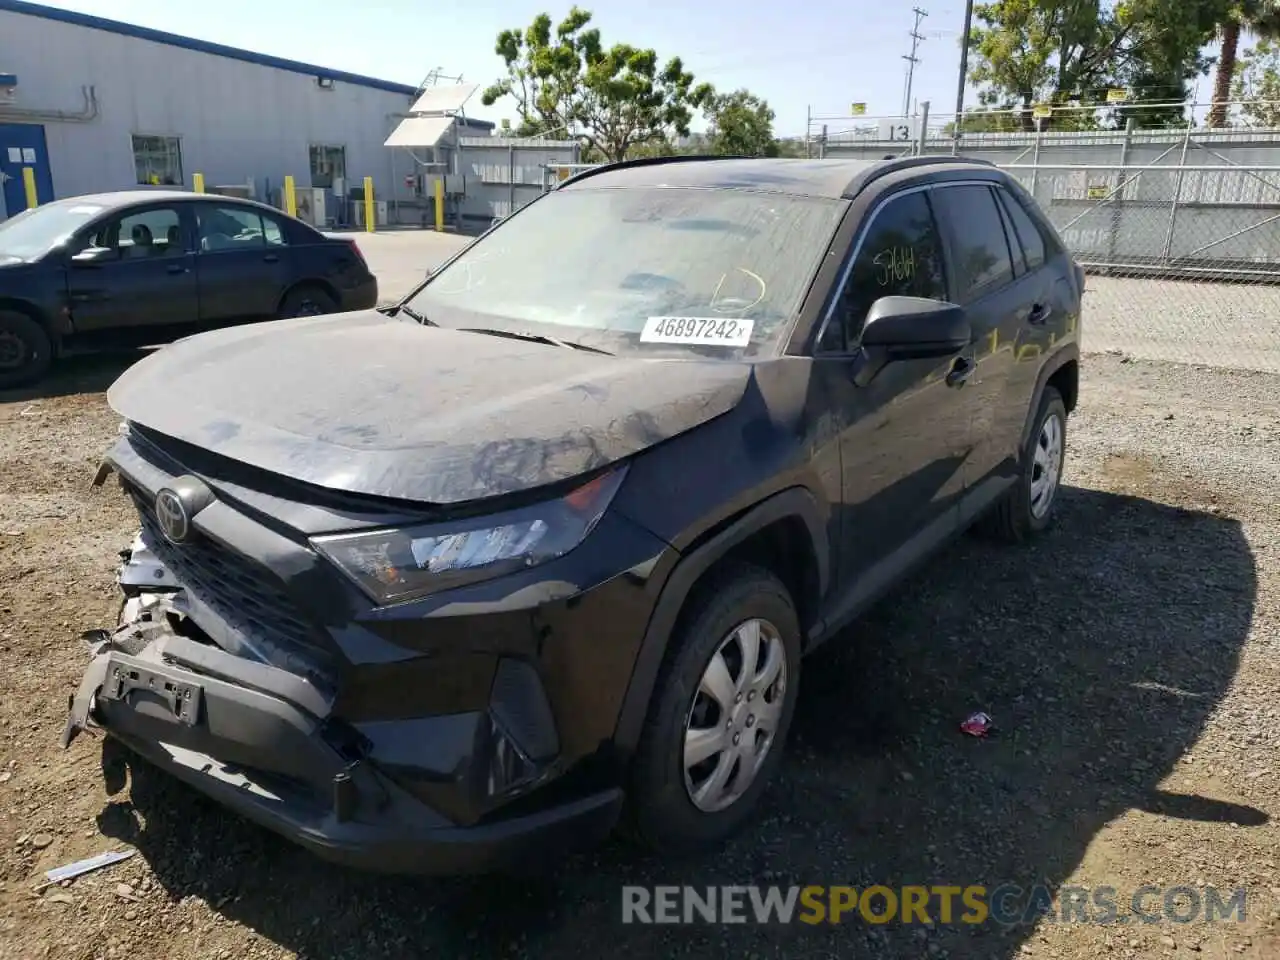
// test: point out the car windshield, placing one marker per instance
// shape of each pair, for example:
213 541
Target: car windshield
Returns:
34 232
659 272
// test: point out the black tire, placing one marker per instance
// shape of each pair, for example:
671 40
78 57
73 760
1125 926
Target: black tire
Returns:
307 300
1012 519
660 812
25 350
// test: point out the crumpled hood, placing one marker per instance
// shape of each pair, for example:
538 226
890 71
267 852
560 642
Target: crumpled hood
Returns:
371 404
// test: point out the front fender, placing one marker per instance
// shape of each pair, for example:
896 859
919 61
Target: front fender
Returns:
794 502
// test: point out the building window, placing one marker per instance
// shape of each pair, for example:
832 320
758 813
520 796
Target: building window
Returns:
327 164
158 160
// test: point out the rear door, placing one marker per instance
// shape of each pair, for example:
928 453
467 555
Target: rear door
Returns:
147 281
997 296
242 264
1050 314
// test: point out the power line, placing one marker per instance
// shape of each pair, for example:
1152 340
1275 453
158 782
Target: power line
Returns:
964 64
912 59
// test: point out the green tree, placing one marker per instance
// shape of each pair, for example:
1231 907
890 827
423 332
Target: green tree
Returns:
741 124
564 81
1257 83
788 147
1260 17
1069 51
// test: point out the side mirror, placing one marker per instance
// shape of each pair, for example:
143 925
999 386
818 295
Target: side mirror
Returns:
93 255
910 328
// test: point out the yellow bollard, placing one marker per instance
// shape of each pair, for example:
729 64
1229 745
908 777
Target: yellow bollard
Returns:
290 197
197 183
440 205
29 182
370 222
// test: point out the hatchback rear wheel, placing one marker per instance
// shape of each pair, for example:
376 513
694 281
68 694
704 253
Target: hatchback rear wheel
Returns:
1029 506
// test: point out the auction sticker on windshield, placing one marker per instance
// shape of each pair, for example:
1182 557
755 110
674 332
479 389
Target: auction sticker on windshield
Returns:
697 331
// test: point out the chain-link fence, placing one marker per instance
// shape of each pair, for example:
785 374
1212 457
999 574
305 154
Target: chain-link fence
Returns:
1178 227
1184 257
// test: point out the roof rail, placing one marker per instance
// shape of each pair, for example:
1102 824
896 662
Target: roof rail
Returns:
896 164
645 162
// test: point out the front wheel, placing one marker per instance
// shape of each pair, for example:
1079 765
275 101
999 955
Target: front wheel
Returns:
719 719
25 350
1029 506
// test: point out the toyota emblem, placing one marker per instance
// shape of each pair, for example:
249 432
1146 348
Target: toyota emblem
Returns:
171 514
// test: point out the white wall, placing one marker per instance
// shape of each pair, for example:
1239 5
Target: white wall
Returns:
235 119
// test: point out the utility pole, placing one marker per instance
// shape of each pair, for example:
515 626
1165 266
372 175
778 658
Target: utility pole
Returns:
964 66
912 59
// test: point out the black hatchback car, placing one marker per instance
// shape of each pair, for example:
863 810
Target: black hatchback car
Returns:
458 584
140 267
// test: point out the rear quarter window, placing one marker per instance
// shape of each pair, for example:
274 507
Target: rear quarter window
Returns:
1020 201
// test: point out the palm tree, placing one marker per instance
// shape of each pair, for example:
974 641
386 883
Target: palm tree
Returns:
1260 17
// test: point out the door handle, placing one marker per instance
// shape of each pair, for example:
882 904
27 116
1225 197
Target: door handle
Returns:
1039 314
176 268
960 372
272 258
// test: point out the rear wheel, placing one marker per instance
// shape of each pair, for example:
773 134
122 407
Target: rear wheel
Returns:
25 350
307 301
1030 504
716 728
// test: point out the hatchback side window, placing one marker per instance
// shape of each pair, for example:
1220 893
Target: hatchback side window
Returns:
900 255
982 261
236 228
1025 228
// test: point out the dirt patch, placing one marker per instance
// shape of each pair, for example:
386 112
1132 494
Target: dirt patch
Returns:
1131 659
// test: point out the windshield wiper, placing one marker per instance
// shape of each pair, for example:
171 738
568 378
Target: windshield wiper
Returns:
536 338
410 312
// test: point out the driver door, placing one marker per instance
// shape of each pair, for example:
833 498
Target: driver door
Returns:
147 280
903 436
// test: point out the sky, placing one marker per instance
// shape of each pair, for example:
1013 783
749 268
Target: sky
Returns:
820 56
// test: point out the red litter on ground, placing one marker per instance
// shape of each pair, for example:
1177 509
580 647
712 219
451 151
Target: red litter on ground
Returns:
978 725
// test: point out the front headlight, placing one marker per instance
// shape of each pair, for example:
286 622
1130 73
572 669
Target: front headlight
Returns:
411 562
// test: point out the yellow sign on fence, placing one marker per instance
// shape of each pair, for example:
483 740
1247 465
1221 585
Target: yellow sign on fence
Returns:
1117 96
1042 111
858 109
1098 191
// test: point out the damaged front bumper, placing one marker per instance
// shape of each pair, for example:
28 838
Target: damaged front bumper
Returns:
262 740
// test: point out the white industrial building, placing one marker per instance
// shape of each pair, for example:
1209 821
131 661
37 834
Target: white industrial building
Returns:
95 105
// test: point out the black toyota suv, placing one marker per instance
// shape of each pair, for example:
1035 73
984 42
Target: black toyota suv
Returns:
455 585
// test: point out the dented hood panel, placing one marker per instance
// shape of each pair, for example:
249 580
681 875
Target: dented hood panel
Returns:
370 404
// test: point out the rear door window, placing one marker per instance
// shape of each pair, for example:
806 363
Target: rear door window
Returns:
236 228
981 256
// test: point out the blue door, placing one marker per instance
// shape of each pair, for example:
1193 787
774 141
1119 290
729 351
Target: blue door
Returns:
22 145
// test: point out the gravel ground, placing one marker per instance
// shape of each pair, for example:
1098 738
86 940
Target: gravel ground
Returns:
1131 659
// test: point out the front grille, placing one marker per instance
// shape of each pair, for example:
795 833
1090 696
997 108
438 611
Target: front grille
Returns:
236 588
